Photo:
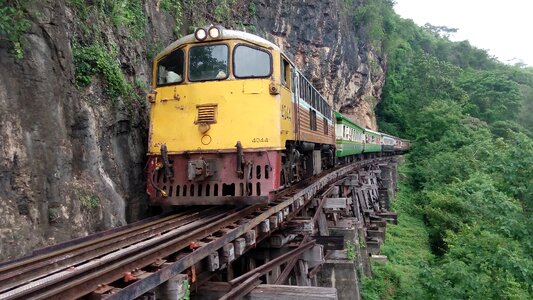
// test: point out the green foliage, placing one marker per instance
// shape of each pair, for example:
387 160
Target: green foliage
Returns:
252 9
493 96
130 14
470 193
223 11
187 288
384 284
175 8
351 254
153 49
14 22
96 60
481 264
94 54
88 200
375 20
122 14
407 249
53 215
232 14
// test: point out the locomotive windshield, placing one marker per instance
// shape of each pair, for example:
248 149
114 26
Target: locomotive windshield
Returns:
170 68
251 62
208 62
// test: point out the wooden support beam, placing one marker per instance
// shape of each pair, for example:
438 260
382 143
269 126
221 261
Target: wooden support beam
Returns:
239 245
250 237
322 224
330 242
301 273
379 258
388 215
314 256
379 234
287 292
344 223
227 253
264 227
337 203
213 262
214 290
373 247
239 291
279 240
300 226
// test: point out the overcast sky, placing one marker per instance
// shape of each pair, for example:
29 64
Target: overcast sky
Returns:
504 28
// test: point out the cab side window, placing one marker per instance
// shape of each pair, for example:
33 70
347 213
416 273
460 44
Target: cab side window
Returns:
285 72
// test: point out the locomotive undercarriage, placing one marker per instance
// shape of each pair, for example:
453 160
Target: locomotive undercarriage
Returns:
240 177
301 160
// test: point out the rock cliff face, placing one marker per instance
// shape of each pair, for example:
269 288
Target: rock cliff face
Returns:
72 159
320 37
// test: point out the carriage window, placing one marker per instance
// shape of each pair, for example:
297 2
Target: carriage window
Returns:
312 119
209 62
170 68
251 62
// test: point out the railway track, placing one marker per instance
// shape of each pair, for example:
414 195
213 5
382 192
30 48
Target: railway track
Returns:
148 253
72 268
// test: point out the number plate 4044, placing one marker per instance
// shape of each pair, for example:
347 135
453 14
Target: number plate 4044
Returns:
260 140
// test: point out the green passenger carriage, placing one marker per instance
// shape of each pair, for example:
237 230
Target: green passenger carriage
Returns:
350 137
373 141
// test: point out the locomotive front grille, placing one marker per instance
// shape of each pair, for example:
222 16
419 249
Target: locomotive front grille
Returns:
207 114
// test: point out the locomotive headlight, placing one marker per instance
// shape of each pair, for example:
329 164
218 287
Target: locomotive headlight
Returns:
214 32
200 34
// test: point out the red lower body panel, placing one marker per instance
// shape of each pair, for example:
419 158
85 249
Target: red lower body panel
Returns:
212 178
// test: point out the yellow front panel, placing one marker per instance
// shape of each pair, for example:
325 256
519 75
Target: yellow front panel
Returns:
245 112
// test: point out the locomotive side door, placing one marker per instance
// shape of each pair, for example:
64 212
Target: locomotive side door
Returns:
295 91
286 104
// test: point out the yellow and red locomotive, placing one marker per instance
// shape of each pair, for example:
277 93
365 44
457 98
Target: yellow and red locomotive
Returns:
232 121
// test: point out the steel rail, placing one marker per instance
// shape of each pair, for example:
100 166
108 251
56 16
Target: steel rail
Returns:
47 252
82 242
102 261
50 263
88 277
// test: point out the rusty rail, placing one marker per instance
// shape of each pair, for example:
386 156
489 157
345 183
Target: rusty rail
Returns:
36 266
107 266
